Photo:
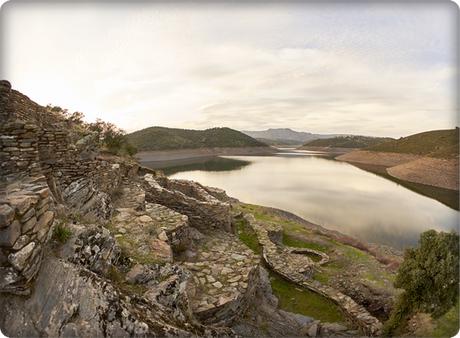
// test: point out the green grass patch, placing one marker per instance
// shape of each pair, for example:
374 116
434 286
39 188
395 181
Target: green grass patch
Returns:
61 233
292 241
294 299
248 236
321 277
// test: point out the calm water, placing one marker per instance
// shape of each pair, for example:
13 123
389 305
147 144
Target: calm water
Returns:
333 194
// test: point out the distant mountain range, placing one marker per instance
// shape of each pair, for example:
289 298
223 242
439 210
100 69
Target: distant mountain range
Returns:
278 136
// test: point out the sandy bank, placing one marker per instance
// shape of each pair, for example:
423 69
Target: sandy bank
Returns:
181 154
377 158
441 173
431 171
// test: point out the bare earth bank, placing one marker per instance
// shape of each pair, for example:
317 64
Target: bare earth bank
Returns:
442 173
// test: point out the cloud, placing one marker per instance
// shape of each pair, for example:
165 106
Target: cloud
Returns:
363 68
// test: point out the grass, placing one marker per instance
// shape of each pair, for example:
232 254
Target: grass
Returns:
248 236
292 241
293 299
343 257
435 143
448 324
61 233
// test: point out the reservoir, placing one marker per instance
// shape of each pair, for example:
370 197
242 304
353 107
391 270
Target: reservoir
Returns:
333 194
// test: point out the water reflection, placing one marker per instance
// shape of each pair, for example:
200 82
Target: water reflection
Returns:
213 164
330 193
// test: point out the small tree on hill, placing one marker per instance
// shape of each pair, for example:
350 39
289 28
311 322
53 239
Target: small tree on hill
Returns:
429 276
113 138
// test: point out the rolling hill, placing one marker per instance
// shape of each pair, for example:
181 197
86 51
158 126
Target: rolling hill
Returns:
286 136
161 138
350 141
435 143
429 158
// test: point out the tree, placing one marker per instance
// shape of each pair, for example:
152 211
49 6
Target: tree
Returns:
429 276
113 138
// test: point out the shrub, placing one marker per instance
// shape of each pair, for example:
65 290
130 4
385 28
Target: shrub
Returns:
429 277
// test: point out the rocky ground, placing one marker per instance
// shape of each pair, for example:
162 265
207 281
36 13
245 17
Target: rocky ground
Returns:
93 245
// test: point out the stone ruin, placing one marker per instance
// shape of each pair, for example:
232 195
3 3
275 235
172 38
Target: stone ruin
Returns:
132 230
147 255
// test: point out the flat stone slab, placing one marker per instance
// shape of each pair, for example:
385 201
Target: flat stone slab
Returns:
220 270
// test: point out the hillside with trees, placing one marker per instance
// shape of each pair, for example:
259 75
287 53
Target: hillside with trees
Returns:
435 143
351 141
161 138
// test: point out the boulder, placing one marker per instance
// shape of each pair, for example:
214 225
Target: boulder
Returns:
9 235
6 215
19 258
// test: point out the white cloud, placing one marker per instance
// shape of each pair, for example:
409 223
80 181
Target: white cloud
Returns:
366 69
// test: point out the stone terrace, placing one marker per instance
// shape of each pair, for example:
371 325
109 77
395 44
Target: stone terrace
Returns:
299 269
222 270
147 229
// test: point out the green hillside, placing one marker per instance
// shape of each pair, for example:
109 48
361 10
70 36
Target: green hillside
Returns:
160 138
351 141
435 143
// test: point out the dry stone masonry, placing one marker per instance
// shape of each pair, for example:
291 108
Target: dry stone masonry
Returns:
299 269
25 223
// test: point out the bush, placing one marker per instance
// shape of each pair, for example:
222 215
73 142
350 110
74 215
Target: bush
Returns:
113 138
429 277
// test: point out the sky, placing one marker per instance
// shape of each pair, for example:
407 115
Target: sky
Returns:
382 69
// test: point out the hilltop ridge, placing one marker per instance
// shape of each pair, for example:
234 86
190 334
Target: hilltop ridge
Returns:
349 141
286 136
162 138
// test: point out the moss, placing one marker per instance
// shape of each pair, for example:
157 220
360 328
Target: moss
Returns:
293 299
248 236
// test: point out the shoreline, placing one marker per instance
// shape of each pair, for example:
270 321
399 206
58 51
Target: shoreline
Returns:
182 155
375 249
428 171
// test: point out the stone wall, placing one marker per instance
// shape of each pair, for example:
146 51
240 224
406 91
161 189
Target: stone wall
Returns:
204 211
298 269
25 223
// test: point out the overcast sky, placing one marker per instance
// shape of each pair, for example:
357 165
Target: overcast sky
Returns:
371 69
